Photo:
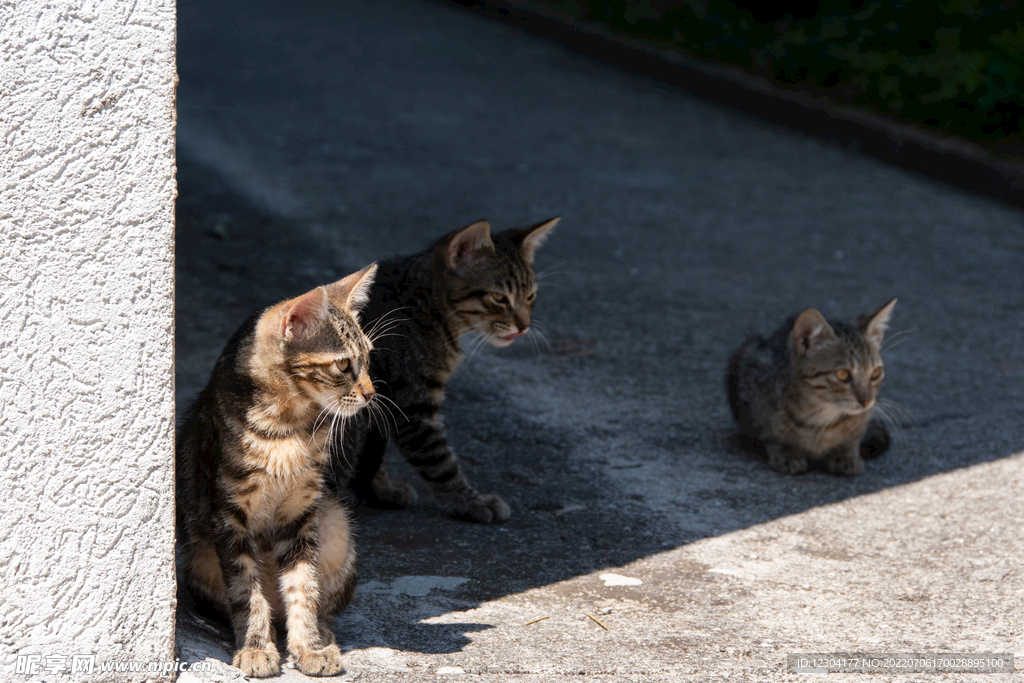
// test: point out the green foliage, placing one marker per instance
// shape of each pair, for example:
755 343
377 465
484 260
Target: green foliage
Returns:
955 65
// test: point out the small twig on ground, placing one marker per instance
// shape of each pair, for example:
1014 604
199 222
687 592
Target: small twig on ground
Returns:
536 620
598 621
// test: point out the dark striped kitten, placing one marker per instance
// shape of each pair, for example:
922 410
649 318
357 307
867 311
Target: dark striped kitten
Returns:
263 539
807 393
468 281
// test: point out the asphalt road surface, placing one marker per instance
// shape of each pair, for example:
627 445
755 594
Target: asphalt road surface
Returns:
317 136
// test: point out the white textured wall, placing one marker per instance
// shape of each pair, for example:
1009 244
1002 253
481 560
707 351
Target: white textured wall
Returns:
86 330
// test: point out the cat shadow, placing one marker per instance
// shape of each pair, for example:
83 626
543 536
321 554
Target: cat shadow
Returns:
746 445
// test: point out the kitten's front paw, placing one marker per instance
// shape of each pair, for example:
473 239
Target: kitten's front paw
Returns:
325 662
847 466
787 464
489 509
259 663
399 495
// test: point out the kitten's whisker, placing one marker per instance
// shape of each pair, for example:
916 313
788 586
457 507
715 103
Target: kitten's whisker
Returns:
535 340
473 341
404 416
895 416
383 397
385 326
388 424
380 330
894 427
893 406
384 419
389 334
557 285
292 395
295 393
384 319
372 418
329 443
480 343
818 420
821 418
376 381
380 417
894 339
369 408
393 430
477 343
323 415
340 454
896 343
538 328
455 311
326 413
549 269
533 343
341 443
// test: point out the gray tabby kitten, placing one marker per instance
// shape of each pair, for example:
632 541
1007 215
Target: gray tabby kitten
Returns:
263 539
468 281
807 393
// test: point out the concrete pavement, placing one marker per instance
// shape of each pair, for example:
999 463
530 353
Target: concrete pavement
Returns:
318 136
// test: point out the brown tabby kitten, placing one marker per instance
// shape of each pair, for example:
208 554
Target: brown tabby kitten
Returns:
808 392
468 281
263 538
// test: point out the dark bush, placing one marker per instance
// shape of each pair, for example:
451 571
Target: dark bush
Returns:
955 65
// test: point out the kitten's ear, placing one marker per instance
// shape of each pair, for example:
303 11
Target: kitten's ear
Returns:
530 238
875 324
467 244
302 319
810 330
352 292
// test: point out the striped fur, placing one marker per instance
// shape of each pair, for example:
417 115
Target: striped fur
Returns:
807 393
420 307
262 538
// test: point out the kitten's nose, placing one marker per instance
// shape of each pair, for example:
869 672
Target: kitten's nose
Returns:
522 320
366 388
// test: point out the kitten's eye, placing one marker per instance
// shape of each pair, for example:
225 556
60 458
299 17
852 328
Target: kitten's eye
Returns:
497 298
877 373
843 375
343 364
531 297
